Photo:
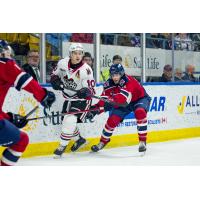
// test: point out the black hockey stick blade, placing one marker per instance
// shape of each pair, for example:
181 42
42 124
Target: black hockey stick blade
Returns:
31 112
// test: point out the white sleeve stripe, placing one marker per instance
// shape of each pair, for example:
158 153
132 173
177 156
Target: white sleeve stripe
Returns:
123 95
124 90
18 77
27 82
128 98
17 66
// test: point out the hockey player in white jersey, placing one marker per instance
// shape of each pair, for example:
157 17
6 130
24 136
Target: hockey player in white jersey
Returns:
73 74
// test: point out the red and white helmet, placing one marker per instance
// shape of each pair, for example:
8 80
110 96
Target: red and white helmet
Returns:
75 47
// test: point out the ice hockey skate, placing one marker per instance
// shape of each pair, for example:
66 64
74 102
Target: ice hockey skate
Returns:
80 143
59 151
142 148
98 147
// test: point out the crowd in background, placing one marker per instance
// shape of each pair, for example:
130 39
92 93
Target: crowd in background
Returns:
176 75
169 75
183 41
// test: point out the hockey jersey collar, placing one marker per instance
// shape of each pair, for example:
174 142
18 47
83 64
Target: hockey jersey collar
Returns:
5 59
122 81
73 68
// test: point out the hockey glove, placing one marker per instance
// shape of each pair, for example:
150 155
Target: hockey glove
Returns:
106 104
18 120
48 99
84 93
56 83
90 115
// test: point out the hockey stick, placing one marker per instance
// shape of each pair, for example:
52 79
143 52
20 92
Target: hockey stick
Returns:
31 112
101 98
110 102
63 114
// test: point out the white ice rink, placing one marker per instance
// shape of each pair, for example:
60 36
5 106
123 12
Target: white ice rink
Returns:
180 152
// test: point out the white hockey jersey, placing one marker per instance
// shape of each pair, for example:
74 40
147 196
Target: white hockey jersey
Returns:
76 79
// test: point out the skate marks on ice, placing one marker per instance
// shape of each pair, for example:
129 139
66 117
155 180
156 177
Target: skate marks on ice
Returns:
111 153
115 156
180 152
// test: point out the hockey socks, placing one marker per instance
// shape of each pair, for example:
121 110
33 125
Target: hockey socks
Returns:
12 154
141 118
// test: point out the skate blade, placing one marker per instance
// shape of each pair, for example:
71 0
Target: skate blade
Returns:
57 156
93 151
141 154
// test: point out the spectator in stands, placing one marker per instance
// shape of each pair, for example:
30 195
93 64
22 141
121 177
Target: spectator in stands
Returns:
53 40
87 58
135 40
124 39
50 66
117 59
149 41
66 37
32 65
156 41
164 41
183 42
167 74
107 38
189 73
196 39
178 75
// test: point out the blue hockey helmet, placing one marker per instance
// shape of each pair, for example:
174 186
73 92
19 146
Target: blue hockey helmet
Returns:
116 69
6 49
3 45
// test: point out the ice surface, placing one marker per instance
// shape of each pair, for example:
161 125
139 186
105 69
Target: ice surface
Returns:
180 152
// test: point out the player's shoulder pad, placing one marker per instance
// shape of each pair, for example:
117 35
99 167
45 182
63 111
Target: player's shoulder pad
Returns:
86 70
63 62
5 60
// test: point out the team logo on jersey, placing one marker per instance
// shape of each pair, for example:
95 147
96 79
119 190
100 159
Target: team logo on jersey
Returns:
69 83
106 84
78 74
28 104
122 82
65 77
71 70
88 71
